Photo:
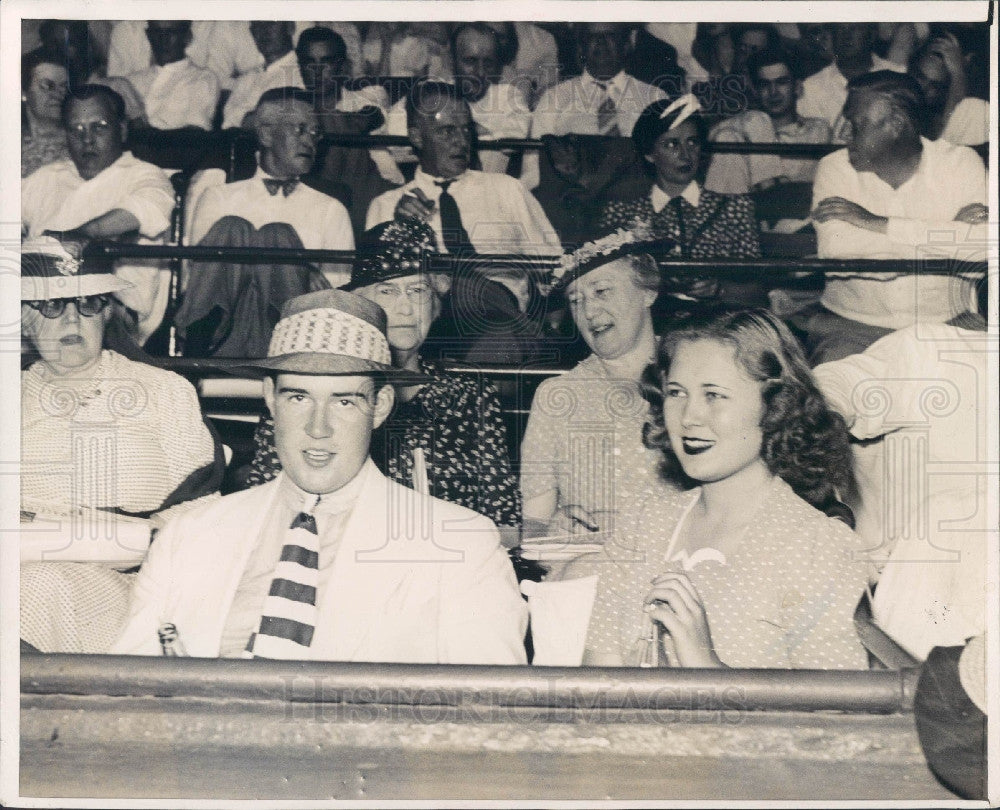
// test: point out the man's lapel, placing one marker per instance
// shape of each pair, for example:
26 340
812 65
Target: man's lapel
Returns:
366 574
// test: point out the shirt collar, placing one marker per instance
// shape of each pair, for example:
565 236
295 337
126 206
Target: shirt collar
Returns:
341 500
425 180
617 81
172 67
659 198
261 175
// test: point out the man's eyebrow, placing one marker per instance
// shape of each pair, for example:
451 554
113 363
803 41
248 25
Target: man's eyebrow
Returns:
287 389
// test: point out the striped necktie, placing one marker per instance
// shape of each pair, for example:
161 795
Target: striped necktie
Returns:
288 620
607 114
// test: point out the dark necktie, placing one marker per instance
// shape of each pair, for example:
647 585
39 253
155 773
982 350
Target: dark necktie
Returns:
286 186
288 620
452 231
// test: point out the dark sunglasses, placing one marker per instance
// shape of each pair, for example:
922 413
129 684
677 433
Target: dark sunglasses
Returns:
87 306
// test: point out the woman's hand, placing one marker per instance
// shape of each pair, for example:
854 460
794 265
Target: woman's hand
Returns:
584 526
676 604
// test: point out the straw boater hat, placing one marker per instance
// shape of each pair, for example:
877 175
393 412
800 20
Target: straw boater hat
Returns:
332 333
590 256
392 250
53 269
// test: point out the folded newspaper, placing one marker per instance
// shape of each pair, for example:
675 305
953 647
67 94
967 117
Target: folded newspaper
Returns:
83 535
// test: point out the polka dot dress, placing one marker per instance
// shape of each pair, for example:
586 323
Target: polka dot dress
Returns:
456 419
721 225
784 598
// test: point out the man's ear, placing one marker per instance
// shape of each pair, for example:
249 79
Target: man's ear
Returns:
897 122
264 135
269 393
385 398
413 133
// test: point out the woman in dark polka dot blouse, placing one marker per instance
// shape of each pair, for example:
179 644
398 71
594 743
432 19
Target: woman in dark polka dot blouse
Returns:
670 135
455 419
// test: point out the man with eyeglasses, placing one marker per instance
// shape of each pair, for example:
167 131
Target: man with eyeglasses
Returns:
177 93
274 208
775 118
104 192
470 211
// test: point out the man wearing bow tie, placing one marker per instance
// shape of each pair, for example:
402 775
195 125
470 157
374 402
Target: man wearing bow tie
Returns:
288 132
228 306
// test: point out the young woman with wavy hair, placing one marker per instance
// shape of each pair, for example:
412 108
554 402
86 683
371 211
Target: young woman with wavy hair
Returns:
741 568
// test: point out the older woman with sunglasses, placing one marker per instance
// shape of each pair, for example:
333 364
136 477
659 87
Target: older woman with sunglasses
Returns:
98 432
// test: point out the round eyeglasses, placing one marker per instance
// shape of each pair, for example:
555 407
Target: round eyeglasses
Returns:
87 306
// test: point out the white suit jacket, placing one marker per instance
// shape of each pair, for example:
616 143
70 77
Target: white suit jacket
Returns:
443 593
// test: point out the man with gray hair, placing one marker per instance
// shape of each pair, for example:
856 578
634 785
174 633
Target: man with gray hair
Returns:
274 208
892 194
288 132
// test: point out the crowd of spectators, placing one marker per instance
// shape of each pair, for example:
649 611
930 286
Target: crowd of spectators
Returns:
628 117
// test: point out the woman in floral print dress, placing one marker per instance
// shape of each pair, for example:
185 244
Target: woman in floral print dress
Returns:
455 420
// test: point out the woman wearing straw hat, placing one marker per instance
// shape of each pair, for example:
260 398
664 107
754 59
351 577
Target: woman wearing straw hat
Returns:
98 431
453 421
742 568
582 450
670 135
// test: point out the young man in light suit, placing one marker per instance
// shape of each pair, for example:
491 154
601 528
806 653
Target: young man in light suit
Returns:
369 571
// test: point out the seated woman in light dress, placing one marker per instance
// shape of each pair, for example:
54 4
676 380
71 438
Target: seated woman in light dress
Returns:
742 569
582 450
99 431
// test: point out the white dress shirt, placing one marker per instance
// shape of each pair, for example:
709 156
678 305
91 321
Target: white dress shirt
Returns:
969 123
502 112
223 46
824 93
572 106
536 64
331 515
320 221
921 225
57 198
737 174
249 87
497 212
177 95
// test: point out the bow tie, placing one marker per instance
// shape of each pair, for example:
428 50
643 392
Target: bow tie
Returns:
286 186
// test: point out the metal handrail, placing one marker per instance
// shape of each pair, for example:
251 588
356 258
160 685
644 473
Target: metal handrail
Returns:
867 691
675 266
